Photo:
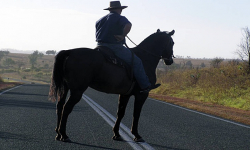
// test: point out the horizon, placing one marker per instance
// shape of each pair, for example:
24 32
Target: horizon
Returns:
15 51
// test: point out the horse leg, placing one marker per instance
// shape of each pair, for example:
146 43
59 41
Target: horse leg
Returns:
139 101
74 98
59 108
123 101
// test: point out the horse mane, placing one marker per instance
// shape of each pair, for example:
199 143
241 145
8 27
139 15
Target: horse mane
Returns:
153 40
149 39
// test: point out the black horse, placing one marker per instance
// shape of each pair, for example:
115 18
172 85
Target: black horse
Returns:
78 69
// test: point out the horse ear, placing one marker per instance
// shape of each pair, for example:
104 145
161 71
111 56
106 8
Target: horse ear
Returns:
172 32
158 30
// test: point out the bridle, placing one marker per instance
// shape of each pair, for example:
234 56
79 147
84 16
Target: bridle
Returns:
157 56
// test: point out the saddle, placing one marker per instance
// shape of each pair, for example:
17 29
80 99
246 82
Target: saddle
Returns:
112 58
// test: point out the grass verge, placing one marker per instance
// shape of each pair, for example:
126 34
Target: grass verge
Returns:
7 85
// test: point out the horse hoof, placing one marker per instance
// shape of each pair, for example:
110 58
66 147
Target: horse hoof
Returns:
66 140
138 140
117 138
58 138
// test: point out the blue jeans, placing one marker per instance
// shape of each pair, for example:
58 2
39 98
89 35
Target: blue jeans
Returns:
125 54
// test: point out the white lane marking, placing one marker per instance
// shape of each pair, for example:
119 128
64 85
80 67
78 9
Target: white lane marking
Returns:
10 89
110 122
126 129
122 126
200 113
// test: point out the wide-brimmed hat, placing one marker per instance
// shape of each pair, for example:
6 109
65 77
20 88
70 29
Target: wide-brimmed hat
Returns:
115 5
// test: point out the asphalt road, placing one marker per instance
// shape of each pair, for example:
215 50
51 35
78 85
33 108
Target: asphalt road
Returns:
28 121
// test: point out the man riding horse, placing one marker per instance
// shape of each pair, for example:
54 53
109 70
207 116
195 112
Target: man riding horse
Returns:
77 69
111 31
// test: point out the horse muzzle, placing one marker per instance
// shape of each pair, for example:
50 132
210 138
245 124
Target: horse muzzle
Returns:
168 61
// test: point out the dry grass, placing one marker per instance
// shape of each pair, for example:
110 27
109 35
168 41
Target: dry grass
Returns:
41 73
49 59
7 85
227 85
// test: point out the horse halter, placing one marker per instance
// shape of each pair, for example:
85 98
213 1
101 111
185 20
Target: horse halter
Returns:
157 56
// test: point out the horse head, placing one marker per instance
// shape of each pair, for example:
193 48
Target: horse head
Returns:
159 45
166 44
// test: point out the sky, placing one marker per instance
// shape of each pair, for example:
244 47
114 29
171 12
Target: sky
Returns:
203 29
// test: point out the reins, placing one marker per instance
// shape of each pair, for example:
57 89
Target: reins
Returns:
132 61
160 57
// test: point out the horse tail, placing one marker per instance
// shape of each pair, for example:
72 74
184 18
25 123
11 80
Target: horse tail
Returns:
58 85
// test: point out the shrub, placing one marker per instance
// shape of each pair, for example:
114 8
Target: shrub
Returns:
9 70
37 69
39 75
216 62
1 80
27 70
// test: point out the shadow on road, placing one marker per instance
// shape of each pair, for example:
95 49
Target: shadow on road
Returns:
12 136
34 104
93 146
24 103
165 147
17 93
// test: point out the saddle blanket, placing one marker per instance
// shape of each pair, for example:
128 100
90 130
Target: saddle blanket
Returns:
112 58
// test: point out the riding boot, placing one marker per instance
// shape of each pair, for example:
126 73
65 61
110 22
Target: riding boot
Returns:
146 90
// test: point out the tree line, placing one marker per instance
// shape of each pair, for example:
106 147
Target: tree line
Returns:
53 52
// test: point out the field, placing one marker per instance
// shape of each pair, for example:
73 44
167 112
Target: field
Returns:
226 85
222 90
193 83
22 69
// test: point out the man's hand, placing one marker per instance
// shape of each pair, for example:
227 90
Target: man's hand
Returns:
119 37
125 32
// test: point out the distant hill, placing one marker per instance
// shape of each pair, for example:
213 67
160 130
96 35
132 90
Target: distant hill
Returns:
20 51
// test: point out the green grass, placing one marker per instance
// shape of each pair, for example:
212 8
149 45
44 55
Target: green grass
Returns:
6 80
227 85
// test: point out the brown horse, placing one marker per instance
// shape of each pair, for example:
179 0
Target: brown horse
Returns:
78 69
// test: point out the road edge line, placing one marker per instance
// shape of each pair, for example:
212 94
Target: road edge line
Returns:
200 113
10 89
